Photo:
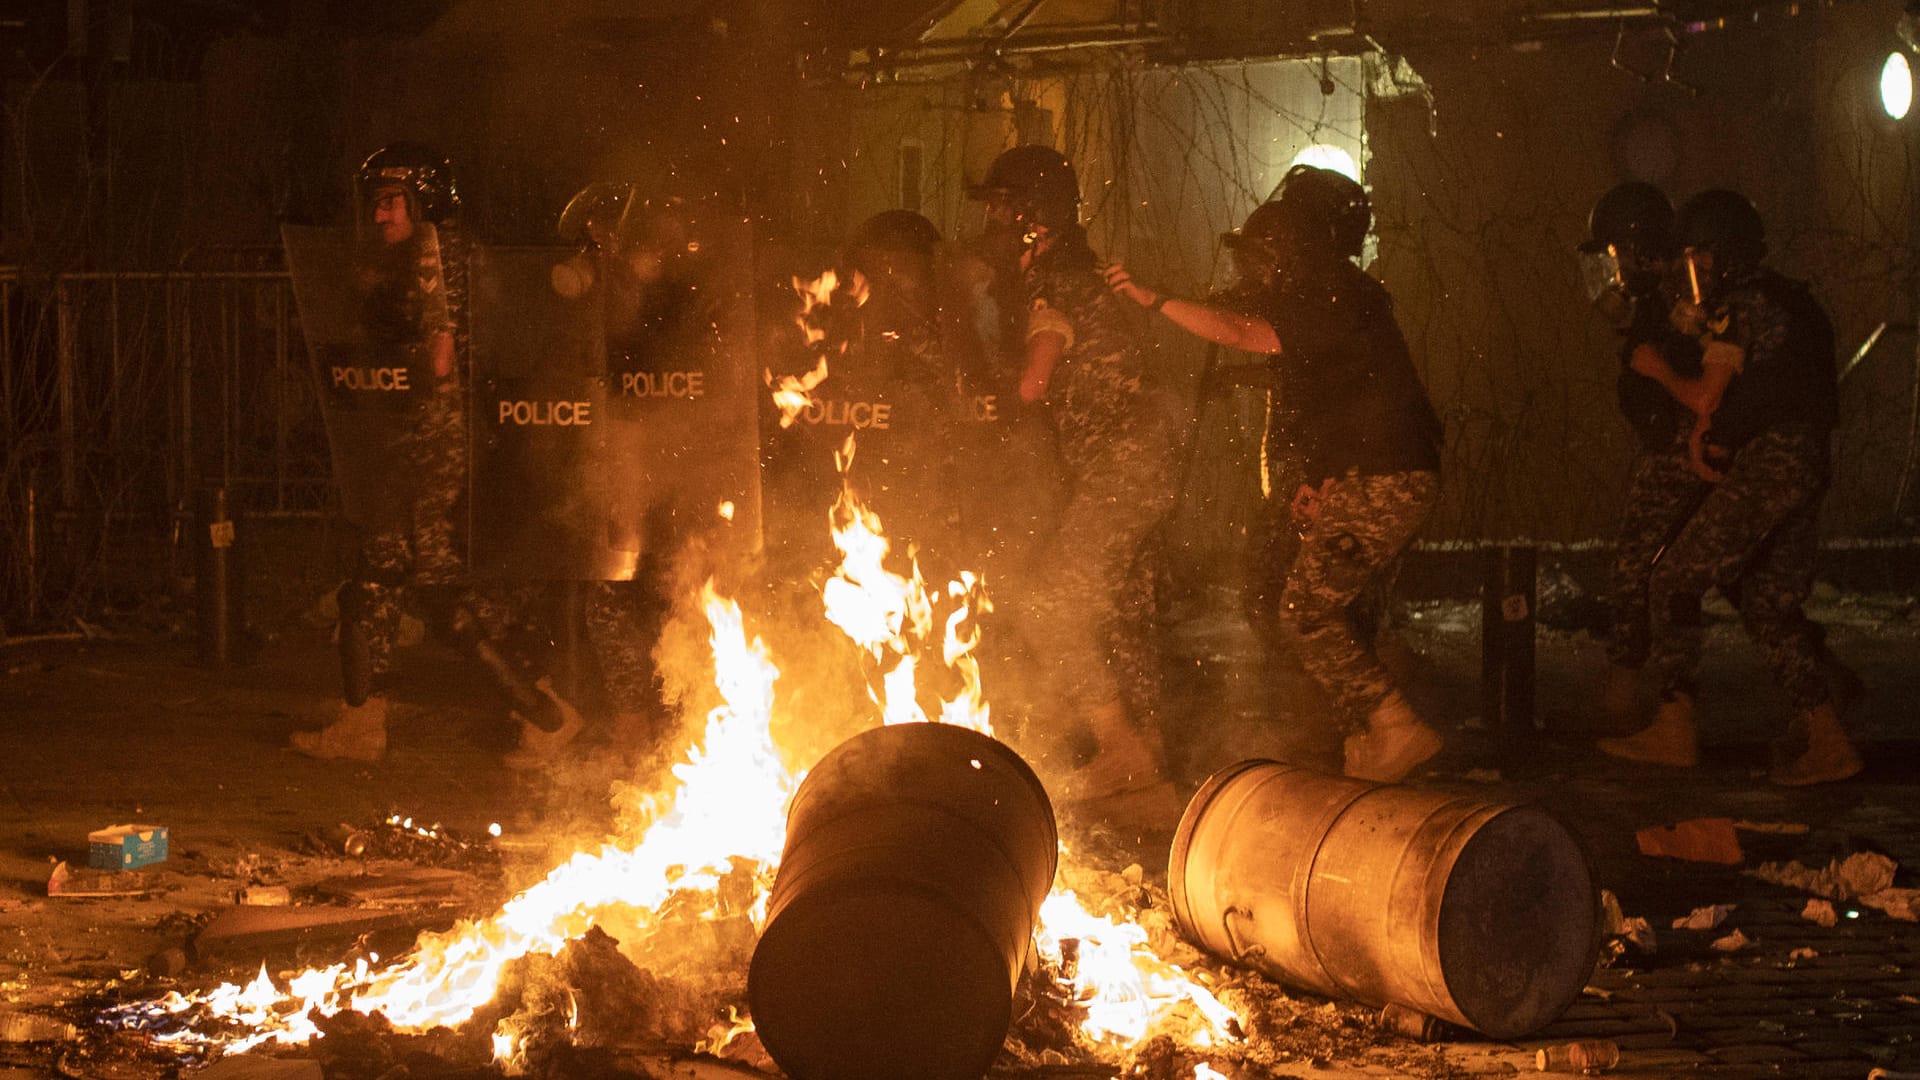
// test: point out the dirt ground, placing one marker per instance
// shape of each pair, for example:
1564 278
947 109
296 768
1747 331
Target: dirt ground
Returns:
103 732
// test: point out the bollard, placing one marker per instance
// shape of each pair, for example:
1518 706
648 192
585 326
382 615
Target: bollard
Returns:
215 594
917 857
1482 914
1507 604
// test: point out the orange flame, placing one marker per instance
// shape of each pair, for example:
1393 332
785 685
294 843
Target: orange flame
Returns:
729 803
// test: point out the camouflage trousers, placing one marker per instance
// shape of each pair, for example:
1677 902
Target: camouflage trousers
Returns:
1347 559
415 549
1755 538
1662 493
1089 611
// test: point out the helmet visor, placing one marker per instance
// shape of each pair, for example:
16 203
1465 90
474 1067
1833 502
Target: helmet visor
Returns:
1600 271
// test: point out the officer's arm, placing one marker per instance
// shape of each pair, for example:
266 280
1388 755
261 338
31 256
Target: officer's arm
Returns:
1044 349
1702 395
442 347
1220 326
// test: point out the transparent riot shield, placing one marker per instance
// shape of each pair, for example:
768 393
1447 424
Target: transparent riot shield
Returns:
378 333
614 417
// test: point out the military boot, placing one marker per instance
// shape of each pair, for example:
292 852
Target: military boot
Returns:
1395 742
1670 740
1828 754
358 733
538 746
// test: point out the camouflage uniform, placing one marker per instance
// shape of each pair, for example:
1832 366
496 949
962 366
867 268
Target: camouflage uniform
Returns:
1662 489
1366 440
1092 604
1755 536
416 545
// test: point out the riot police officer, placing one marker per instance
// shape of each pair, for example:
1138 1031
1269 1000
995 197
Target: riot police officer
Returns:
1764 404
412 270
1363 429
1115 434
1626 261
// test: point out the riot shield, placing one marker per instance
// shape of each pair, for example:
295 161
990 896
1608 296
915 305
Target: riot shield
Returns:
613 421
375 320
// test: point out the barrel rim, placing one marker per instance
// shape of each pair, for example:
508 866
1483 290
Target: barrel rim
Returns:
1183 838
1020 765
1591 955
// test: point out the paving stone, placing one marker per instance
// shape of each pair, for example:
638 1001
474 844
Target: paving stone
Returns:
1754 1053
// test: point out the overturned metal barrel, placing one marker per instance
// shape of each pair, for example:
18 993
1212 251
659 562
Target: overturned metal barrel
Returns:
916 860
1480 913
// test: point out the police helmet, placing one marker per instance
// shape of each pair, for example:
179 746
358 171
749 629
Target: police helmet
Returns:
1040 183
605 201
1315 210
425 176
896 230
1724 223
1632 215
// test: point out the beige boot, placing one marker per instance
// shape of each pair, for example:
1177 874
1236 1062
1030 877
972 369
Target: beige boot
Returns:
539 747
1620 702
1670 740
1828 756
1395 743
1127 760
358 733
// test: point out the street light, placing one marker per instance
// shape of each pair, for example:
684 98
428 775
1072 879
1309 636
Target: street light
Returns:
1896 85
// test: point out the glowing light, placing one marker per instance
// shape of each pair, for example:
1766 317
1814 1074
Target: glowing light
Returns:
726 510
1896 85
1328 156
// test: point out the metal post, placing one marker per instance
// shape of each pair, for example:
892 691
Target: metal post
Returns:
69 407
282 399
213 588
1507 605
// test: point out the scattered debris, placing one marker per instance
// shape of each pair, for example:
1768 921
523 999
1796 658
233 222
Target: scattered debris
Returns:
1586 1056
1864 876
260 1067
1708 840
1733 942
125 847
264 896
1704 918
1820 913
20 1027
1773 828
250 934
407 886
1619 929
1902 904
1803 953
67 882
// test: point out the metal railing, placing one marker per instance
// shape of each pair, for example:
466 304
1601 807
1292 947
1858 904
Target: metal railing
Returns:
121 394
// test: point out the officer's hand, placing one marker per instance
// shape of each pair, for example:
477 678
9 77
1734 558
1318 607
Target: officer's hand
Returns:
1688 317
1646 361
1699 453
1124 286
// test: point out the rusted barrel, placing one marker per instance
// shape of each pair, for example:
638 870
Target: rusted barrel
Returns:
916 860
1480 913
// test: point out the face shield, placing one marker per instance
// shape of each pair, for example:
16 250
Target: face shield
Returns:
1600 271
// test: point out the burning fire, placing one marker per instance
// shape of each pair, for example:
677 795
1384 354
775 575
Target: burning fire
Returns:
728 805
793 393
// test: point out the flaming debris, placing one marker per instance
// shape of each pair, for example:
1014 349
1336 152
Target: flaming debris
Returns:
793 393
725 811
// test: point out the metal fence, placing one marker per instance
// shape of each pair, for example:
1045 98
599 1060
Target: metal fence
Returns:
121 395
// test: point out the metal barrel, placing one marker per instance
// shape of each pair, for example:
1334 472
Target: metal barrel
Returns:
1479 913
916 860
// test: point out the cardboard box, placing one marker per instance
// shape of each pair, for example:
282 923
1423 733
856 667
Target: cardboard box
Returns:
123 847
